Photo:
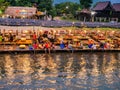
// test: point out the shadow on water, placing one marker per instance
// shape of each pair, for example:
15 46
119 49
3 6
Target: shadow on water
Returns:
60 71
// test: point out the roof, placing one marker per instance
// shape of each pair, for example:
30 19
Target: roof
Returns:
85 11
101 5
21 11
116 6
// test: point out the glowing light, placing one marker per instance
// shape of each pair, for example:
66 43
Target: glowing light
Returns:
10 31
113 31
98 31
26 31
54 31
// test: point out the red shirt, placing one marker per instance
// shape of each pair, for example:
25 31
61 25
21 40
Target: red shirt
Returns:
47 45
34 36
35 46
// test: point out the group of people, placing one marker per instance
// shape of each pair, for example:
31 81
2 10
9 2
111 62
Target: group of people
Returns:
9 37
47 40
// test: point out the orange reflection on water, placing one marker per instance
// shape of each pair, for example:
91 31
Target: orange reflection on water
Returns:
63 70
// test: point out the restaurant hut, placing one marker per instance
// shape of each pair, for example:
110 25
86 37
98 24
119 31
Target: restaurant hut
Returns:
103 11
83 15
21 12
116 13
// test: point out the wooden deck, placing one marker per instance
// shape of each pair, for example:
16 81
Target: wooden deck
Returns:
74 50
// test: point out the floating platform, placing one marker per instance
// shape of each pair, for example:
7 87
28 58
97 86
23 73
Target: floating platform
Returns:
58 50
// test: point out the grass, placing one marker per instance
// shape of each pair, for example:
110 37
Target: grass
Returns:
69 19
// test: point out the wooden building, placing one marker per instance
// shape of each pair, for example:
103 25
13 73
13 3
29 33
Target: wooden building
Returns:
116 13
106 12
83 15
20 12
23 12
103 12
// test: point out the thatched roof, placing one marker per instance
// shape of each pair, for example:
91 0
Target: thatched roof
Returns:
116 7
21 11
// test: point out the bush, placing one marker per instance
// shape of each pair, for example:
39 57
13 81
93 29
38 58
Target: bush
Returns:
64 17
70 16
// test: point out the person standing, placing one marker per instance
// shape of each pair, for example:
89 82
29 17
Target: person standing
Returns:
11 37
34 37
1 38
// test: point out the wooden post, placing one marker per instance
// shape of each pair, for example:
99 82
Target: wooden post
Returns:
84 19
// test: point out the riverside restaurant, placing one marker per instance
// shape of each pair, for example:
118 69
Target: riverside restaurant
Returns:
66 58
59 39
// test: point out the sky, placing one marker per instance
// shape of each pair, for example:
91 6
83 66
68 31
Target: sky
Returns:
94 1
112 1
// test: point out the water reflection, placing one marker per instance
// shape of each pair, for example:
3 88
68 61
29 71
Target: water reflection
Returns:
61 71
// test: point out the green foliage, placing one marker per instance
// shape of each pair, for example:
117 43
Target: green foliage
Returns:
64 17
20 2
67 8
53 12
1 1
86 3
3 5
12 2
23 3
41 5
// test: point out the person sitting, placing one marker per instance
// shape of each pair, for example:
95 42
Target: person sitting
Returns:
62 45
81 45
30 47
35 45
53 46
107 45
101 45
70 45
45 35
47 46
94 46
40 46
40 39
90 45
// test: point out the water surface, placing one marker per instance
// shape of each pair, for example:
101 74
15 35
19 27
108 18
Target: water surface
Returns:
60 71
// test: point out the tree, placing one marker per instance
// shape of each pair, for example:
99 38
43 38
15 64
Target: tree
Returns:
53 12
11 2
3 5
67 8
23 3
41 5
86 3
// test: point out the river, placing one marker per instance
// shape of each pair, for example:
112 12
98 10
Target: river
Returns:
60 71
